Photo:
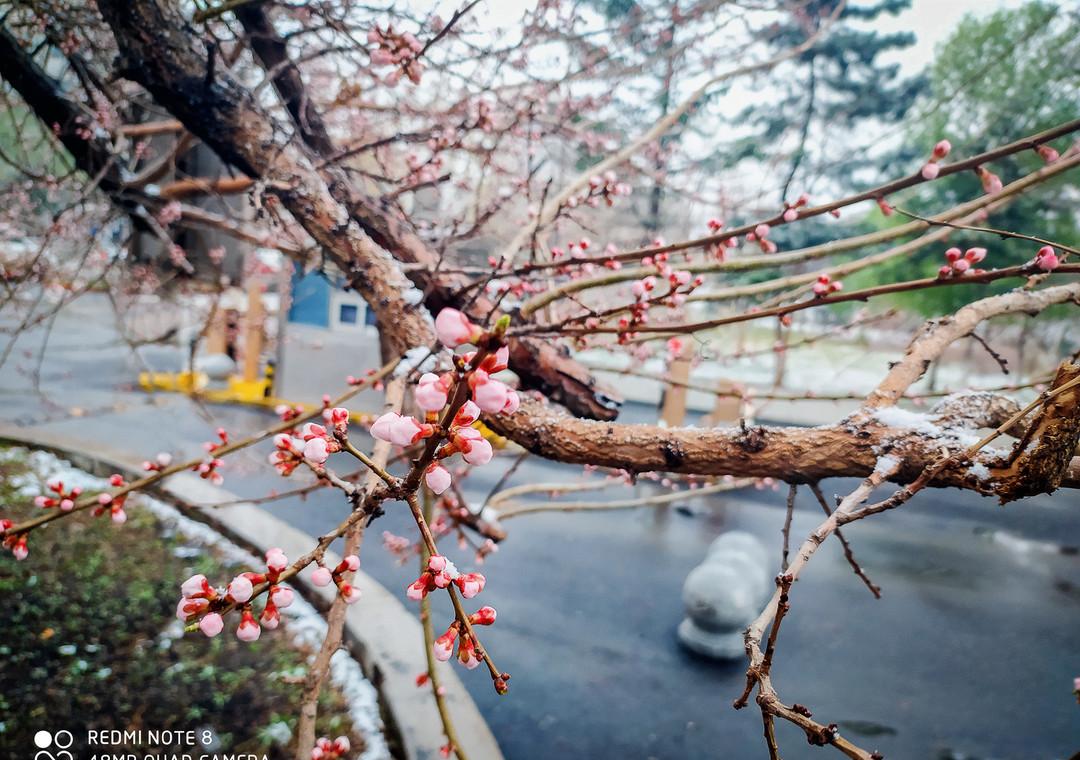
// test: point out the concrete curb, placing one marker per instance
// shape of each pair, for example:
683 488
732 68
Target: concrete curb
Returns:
383 636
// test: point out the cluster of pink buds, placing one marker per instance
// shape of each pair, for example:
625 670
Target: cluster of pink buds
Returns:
1046 259
323 576
199 597
440 573
393 49
17 544
991 182
826 285
1047 153
719 250
433 392
158 463
353 380
208 468
443 647
576 249
602 188
313 444
61 498
114 505
288 413
325 749
760 235
680 284
931 169
961 262
791 210
490 395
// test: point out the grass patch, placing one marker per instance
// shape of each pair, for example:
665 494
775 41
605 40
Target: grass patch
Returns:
89 640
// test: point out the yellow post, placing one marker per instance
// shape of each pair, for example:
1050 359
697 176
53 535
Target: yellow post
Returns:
253 332
673 411
215 332
728 407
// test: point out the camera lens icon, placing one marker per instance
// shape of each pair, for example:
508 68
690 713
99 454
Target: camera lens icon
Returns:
61 739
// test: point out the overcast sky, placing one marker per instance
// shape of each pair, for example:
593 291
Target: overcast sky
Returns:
930 20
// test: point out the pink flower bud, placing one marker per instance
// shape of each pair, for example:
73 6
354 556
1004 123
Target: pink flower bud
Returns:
211 625
513 403
1047 153
398 429
430 393
790 215
930 170
282 597
249 629
270 617
437 478
315 451
186 608
470 584
942 149
453 328
119 516
320 576
490 395
483 616
991 182
467 653
975 255
467 415
477 450
350 593
953 254
196 585
276 560
762 231
961 265
443 647
240 589
1046 259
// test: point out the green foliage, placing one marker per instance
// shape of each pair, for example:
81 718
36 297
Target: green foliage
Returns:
86 642
995 80
23 141
839 83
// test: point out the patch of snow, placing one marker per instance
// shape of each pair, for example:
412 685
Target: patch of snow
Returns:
886 464
980 471
413 297
894 416
419 358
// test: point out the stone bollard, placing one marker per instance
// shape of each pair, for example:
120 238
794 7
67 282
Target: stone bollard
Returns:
723 595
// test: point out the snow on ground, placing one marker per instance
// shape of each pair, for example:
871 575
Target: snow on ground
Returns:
304 624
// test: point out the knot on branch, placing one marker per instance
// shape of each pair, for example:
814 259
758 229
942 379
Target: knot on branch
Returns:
977 409
751 439
1040 459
